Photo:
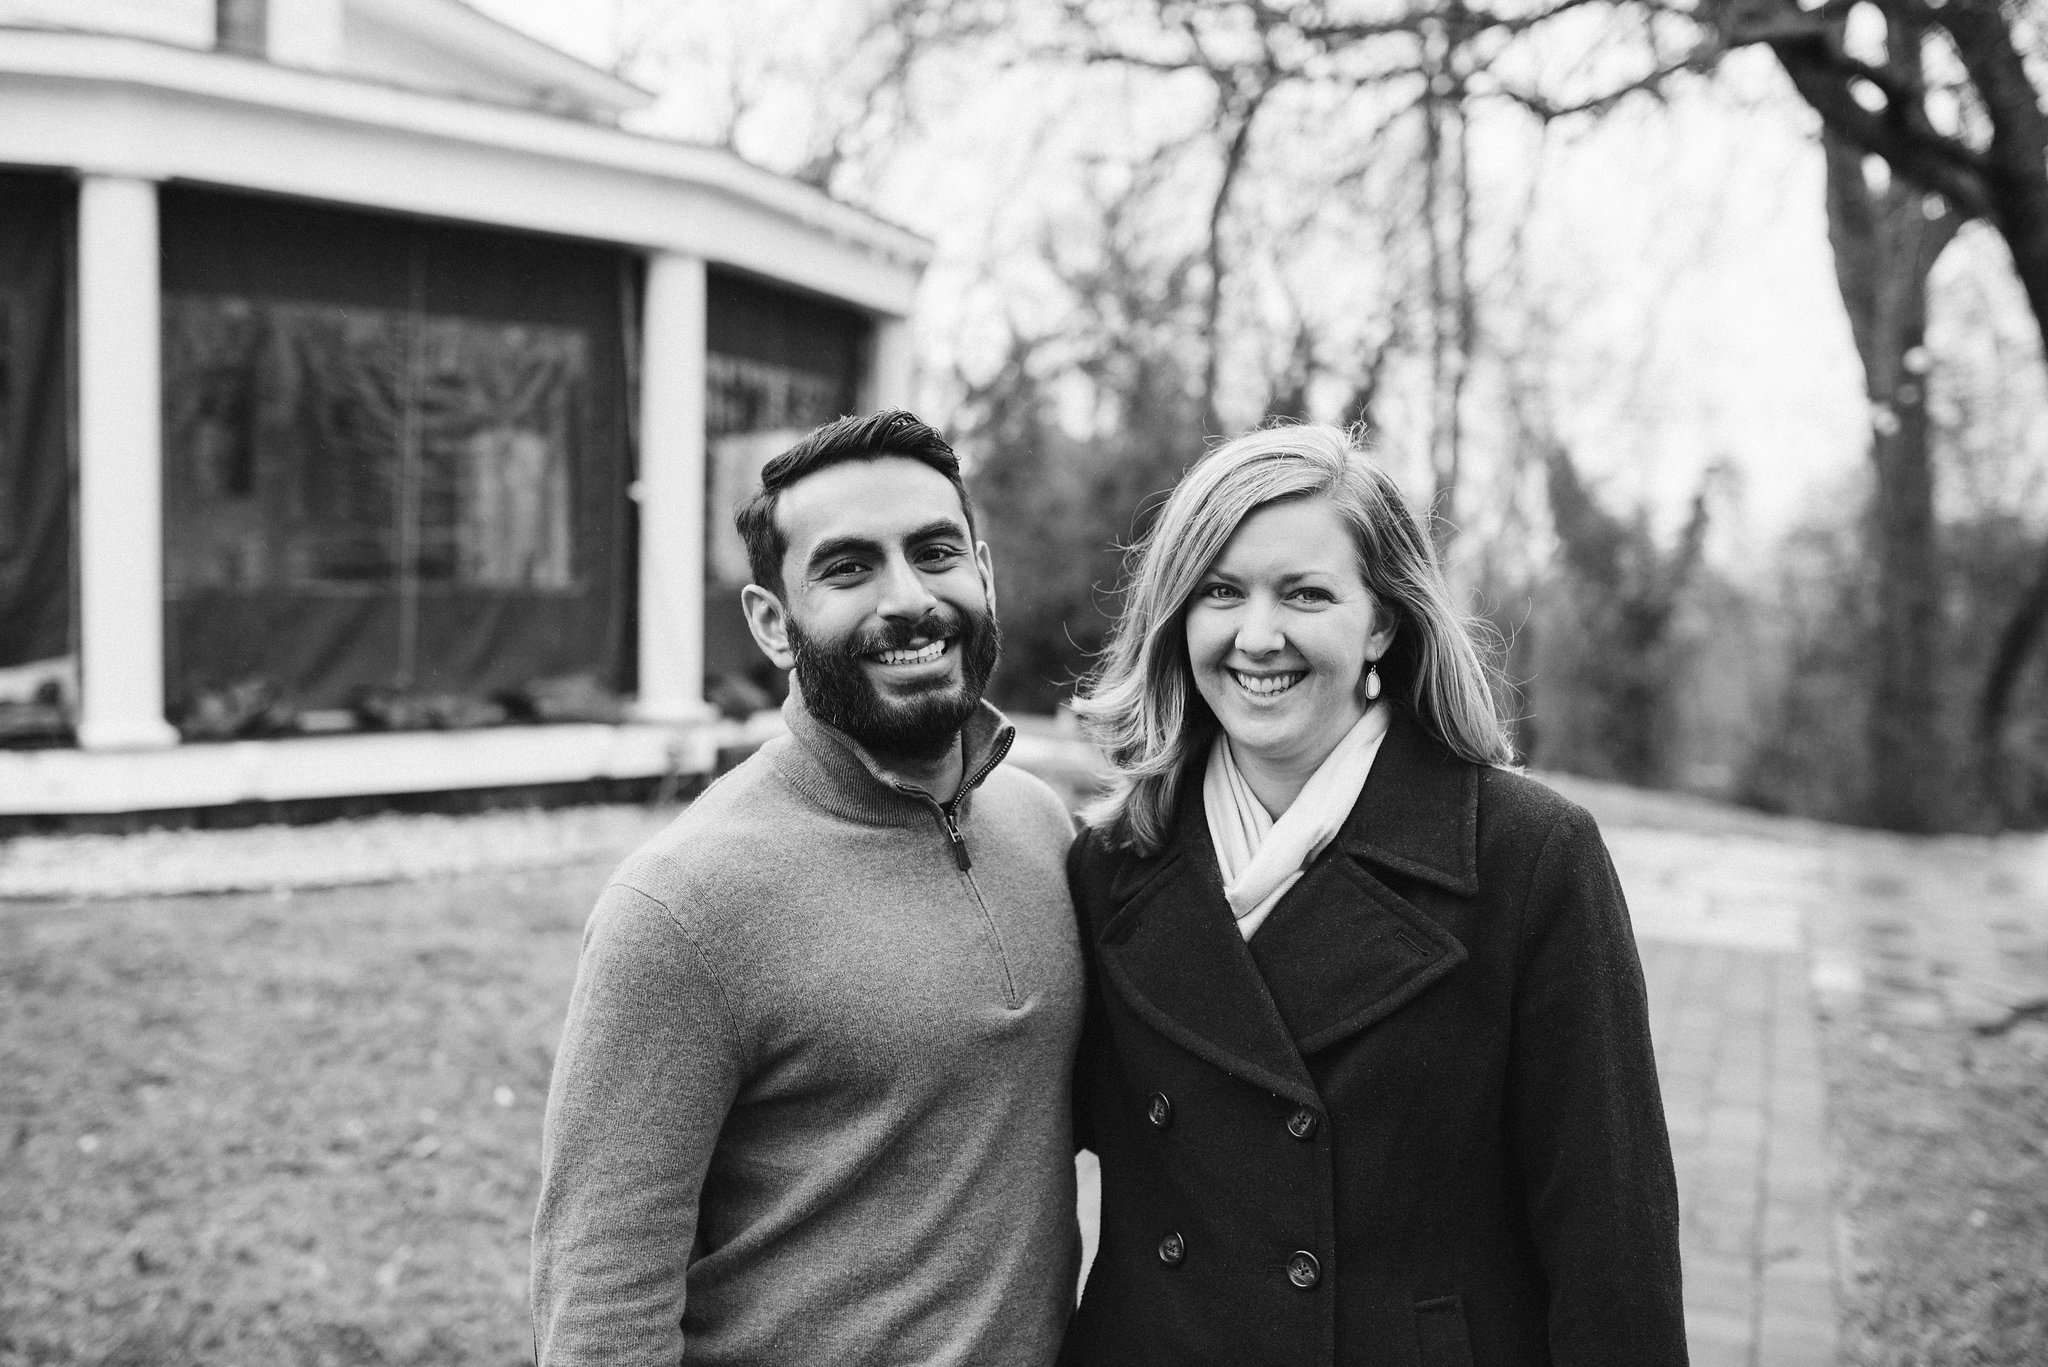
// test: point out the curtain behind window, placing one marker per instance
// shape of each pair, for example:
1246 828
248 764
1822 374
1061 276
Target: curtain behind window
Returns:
36 215
395 456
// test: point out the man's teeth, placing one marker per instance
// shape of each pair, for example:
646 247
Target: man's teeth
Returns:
1266 685
924 654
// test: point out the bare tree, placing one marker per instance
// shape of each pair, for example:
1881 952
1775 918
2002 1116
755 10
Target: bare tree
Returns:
1421 69
847 92
1942 91
1886 236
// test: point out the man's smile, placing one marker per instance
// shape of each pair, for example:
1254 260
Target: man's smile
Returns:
928 653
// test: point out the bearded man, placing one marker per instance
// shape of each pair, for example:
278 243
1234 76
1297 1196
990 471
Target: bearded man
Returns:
811 1104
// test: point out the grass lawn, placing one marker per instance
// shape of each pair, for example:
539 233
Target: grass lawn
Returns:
279 1129
303 1129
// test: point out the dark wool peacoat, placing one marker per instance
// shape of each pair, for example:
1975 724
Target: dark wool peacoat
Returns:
1414 1122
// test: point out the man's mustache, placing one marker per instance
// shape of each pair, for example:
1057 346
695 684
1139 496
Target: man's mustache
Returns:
936 625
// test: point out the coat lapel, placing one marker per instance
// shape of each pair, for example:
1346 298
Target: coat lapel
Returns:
1172 951
1342 950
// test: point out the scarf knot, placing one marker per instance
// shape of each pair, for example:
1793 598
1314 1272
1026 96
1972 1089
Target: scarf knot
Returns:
1261 857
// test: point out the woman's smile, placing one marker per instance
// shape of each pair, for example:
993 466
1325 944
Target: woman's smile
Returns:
1270 685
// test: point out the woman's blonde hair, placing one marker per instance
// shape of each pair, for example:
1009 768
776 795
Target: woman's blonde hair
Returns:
1140 705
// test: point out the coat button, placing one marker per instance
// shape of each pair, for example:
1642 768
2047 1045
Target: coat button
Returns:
1302 1124
1159 1111
1172 1249
1302 1268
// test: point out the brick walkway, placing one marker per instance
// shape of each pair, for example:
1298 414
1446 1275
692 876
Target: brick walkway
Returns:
1746 933
1719 920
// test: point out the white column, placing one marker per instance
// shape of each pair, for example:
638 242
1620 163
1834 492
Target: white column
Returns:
892 368
120 468
671 492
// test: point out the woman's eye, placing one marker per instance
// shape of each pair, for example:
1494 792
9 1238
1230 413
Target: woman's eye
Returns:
1218 591
1314 595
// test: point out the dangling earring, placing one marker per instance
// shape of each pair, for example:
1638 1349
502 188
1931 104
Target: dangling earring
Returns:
1372 680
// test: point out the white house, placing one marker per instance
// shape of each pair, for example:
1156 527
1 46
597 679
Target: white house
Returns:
357 377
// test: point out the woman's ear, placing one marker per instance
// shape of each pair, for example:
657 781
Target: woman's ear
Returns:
1380 639
768 621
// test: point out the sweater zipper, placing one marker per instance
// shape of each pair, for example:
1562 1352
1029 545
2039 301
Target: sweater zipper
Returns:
960 856
949 814
949 821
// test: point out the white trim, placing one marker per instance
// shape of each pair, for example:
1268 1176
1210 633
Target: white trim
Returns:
304 33
188 23
473 37
126 106
73 782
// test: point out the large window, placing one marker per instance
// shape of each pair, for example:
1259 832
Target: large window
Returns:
395 463
318 445
36 619
10 500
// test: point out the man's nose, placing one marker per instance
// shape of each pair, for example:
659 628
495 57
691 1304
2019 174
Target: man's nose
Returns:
904 592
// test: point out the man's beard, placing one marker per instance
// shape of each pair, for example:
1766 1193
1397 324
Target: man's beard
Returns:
837 691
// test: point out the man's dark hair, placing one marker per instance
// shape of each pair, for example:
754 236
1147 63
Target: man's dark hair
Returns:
889 433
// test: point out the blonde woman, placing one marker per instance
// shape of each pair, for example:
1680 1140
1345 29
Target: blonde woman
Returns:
1367 1060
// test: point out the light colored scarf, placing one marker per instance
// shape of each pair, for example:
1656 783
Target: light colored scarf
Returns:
1261 858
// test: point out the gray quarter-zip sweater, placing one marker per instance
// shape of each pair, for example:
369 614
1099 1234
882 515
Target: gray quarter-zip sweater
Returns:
811 1103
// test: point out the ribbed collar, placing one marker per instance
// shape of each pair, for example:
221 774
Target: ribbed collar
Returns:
836 771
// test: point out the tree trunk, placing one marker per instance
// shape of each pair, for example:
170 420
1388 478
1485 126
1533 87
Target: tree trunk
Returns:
1885 244
1996 171
2028 239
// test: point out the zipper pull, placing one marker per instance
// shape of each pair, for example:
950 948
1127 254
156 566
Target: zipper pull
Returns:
959 844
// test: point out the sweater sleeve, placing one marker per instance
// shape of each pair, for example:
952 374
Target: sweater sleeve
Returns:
648 1067
1586 1118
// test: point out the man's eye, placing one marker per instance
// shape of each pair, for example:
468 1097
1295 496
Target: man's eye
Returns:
840 569
939 555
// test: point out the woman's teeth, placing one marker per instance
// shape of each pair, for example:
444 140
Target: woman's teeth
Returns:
1268 685
922 655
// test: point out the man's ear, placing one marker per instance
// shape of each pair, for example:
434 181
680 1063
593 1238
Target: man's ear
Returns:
768 620
987 565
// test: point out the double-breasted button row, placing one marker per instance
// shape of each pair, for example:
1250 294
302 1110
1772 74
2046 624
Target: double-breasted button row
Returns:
1303 1269
1302 1124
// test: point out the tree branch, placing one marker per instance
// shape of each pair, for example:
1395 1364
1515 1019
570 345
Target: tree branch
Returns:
1943 165
1652 82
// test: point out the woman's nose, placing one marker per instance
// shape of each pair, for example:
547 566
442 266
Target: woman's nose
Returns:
1258 630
